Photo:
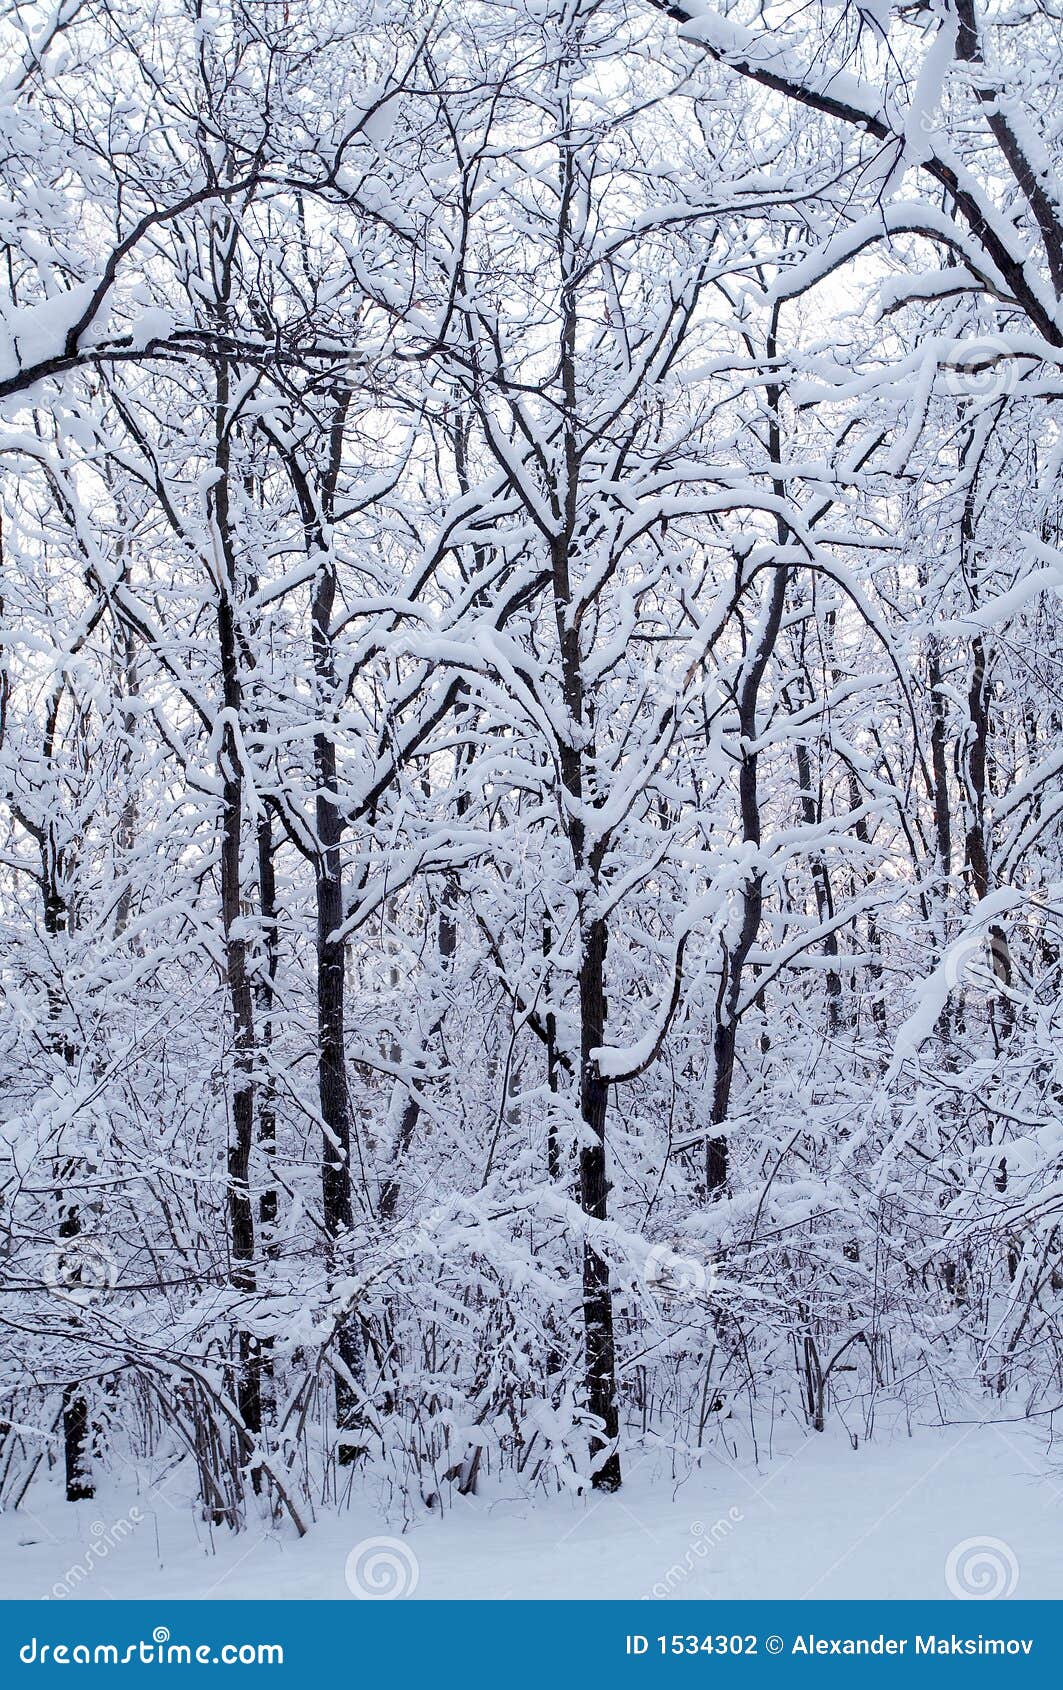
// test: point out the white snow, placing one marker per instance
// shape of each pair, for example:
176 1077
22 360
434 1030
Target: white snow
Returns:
818 1520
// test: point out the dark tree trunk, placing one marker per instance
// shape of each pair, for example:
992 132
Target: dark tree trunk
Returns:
411 1112
577 758
316 495
79 1485
127 823
331 960
939 760
594 1200
821 885
238 978
729 995
337 1208
553 1151
975 759
266 986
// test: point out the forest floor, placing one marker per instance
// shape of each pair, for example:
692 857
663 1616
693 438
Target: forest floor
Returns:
815 1519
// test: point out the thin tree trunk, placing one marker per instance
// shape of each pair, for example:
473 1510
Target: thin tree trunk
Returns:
594 1200
76 1431
975 758
238 979
725 1032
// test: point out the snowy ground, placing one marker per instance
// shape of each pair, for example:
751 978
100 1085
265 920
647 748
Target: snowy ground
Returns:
816 1520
